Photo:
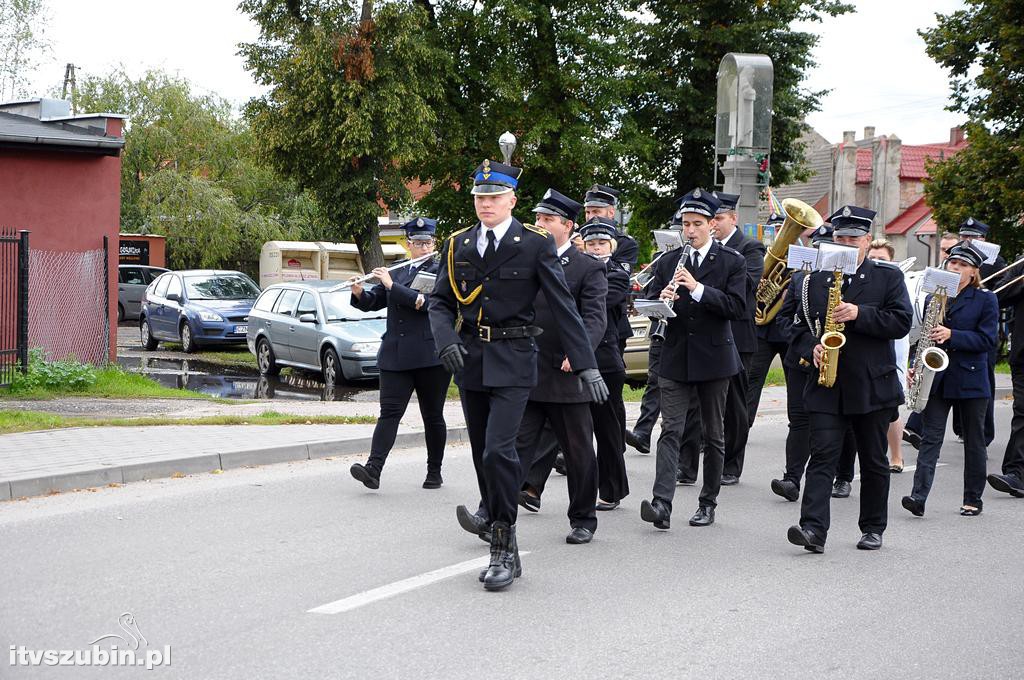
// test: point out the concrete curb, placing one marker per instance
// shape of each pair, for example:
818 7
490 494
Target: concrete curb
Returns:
205 462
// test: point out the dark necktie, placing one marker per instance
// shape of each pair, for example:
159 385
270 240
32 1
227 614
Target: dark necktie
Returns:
696 260
492 244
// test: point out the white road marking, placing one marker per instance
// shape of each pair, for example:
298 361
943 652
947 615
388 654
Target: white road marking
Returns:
404 586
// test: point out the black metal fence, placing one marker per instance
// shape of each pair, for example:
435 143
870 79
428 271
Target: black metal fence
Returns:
14 266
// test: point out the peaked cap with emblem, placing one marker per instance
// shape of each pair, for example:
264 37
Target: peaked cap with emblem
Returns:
557 203
700 202
775 219
973 227
492 177
851 221
822 234
601 196
728 201
967 253
599 228
420 229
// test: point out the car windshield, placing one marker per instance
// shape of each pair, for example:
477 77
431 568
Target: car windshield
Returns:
220 287
338 308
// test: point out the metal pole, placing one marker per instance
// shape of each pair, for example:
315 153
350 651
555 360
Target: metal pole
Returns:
106 300
23 300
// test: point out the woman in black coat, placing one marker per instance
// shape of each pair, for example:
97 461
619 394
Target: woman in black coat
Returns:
967 333
407 359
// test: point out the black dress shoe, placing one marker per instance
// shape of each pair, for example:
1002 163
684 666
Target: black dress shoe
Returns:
560 463
1007 484
730 480
787 489
841 489
505 566
870 541
367 475
641 445
531 503
806 539
474 524
915 507
912 438
433 481
684 480
603 506
656 512
579 536
705 516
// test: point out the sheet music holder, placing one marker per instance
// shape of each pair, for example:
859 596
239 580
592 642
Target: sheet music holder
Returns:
989 250
935 278
423 282
832 257
668 239
654 309
801 257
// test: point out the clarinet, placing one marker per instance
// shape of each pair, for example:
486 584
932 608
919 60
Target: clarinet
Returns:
661 325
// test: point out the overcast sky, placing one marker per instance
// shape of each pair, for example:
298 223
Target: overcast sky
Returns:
873 61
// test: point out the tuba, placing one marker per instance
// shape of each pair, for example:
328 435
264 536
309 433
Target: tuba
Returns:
832 338
776 276
928 359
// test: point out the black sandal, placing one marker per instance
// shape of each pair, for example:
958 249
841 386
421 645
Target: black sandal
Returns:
968 511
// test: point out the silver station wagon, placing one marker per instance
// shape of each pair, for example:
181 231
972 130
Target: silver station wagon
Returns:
305 325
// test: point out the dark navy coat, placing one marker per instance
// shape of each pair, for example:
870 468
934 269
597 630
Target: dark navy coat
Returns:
1013 296
407 343
699 344
744 330
524 264
609 356
783 323
588 285
866 380
973 318
626 256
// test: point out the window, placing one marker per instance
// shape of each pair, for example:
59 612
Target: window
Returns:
152 273
338 307
221 287
161 285
267 300
286 304
174 287
131 275
307 305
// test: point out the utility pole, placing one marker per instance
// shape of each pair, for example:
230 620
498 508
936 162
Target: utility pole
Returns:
69 83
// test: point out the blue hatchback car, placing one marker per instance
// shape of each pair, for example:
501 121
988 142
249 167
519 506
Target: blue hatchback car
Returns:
197 307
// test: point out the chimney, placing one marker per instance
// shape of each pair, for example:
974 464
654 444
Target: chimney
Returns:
869 132
956 136
849 136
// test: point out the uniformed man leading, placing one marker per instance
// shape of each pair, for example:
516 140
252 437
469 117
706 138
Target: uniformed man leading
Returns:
481 314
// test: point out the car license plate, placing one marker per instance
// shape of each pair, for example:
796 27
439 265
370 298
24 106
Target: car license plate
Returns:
241 329
640 332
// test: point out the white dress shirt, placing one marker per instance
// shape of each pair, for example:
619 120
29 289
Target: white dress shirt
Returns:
702 253
499 233
563 248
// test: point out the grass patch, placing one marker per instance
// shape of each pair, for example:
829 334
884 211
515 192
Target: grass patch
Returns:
1003 367
24 421
111 382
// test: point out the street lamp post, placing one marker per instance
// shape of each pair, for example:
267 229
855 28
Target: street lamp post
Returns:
507 142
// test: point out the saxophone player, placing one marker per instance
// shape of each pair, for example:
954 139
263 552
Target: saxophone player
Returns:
967 333
698 354
875 310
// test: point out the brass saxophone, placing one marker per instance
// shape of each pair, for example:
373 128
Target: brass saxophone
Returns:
928 359
832 338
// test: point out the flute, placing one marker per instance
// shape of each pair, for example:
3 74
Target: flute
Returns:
362 279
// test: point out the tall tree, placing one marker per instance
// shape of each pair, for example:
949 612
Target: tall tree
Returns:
22 44
349 106
982 46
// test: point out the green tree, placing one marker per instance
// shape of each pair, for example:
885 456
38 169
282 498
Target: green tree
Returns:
982 46
22 44
350 105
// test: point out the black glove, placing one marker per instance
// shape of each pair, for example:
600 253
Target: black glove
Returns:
597 390
451 358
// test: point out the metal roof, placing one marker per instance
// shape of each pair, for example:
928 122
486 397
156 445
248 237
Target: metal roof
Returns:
24 130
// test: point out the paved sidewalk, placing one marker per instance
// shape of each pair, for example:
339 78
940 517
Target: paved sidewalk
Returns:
35 463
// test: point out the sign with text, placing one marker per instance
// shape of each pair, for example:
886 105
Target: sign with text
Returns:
133 252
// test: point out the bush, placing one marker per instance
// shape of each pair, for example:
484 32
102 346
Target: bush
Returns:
66 375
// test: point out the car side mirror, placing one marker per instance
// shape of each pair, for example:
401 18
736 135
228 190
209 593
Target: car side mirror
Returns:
307 318
174 297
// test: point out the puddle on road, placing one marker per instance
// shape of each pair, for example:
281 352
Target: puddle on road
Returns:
234 382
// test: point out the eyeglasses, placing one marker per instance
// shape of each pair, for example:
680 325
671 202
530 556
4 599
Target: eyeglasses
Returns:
422 244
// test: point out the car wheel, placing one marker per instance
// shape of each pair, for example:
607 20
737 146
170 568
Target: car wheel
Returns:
188 340
148 341
120 312
331 365
265 358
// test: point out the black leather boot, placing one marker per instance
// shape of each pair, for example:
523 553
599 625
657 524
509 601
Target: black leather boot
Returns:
505 565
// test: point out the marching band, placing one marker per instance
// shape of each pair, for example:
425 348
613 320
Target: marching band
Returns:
531 322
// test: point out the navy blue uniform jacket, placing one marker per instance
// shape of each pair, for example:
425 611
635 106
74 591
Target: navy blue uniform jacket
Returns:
973 318
743 330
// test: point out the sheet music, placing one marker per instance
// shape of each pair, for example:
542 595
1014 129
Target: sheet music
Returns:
802 255
423 282
668 239
935 277
655 309
989 250
832 256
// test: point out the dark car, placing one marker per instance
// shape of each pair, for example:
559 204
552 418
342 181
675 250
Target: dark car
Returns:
197 307
132 281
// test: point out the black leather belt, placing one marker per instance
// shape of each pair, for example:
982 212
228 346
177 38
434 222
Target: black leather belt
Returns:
492 333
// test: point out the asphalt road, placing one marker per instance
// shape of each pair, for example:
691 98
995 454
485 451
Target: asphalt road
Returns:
225 568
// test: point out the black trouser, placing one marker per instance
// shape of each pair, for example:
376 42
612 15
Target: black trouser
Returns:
798 438
737 425
396 388
827 432
690 444
610 430
492 419
650 404
543 461
573 428
1013 459
972 420
915 422
758 372
676 398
